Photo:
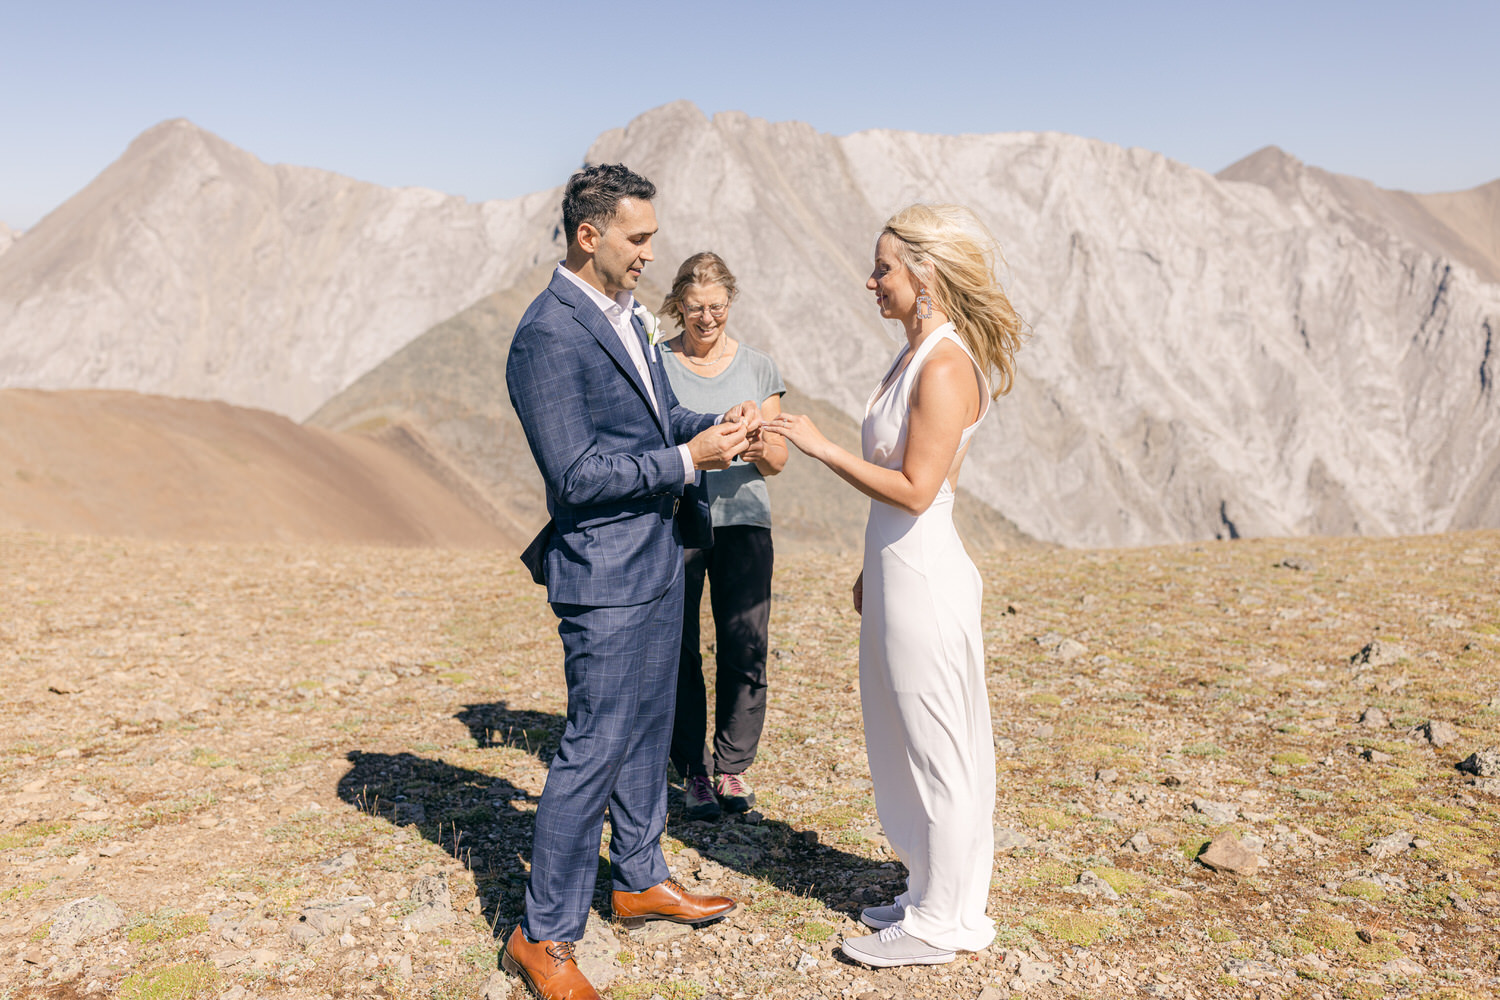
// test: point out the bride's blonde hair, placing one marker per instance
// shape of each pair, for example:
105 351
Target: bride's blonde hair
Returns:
951 252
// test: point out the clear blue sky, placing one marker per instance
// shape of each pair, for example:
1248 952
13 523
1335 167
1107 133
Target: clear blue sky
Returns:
495 99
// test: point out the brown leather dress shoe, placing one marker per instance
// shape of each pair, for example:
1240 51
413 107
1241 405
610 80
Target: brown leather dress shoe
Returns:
546 967
670 901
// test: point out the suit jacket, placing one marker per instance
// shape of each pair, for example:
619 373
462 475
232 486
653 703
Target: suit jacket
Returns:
614 476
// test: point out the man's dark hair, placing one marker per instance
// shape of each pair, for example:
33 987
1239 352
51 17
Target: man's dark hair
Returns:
594 195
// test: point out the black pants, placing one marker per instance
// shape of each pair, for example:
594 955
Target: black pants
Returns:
738 567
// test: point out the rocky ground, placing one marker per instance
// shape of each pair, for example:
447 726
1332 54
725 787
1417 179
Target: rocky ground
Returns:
1226 770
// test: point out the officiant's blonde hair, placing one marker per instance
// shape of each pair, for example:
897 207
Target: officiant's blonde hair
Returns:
703 269
951 252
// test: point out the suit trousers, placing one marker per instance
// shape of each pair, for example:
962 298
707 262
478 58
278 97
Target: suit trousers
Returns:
738 568
620 664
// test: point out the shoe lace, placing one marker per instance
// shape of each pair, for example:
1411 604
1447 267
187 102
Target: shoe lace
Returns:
561 951
892 933
732 784
699 787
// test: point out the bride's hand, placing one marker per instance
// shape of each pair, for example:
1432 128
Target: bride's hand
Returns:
800 431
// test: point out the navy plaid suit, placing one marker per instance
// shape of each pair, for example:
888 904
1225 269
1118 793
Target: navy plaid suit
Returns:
612 564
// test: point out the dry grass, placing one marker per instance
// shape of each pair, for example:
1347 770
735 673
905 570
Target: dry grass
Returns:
233 715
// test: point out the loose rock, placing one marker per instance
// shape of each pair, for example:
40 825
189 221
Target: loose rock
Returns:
1061 646
1373 718
1485 763
1217 812
83 919
1386 846
434 905
595 952
1439 734
1090 884
496 987
324 918
1007 840
1378 654
1227 854
343 862
1033 972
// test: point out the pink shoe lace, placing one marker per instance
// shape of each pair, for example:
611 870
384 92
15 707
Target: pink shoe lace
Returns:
699 789
731 786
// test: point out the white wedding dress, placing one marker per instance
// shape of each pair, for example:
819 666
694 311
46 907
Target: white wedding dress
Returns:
922 691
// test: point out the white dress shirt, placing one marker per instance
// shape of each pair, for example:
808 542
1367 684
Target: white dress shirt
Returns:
618 312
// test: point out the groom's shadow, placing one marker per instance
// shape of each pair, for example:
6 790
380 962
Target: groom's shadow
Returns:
481 817
792 859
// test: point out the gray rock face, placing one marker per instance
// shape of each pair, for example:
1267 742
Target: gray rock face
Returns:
1211 357
84 919
190 268
1271 351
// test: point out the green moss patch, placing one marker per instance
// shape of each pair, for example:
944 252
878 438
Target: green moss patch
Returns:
183 981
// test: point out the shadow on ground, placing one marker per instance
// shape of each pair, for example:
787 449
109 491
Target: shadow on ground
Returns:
486 821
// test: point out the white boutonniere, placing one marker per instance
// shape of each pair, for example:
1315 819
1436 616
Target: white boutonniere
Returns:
654 332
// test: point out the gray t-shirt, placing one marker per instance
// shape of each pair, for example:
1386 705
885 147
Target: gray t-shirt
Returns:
736 495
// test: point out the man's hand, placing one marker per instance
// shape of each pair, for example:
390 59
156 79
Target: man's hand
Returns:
716 447
747 413
759 442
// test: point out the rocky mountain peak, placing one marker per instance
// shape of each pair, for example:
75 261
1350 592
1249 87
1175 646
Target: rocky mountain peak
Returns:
1275 350
1266 166
188 267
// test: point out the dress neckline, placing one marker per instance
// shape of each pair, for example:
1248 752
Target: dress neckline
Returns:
889 381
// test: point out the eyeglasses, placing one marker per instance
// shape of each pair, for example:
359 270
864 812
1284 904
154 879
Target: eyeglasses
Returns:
717 310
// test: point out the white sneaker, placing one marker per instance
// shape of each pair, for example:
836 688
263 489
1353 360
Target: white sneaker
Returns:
893 946
881 917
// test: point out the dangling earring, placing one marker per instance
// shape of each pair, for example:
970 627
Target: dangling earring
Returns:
924 304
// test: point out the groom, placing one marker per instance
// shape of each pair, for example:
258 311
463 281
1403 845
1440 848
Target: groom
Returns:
618 456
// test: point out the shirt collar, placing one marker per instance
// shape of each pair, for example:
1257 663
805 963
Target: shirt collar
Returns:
624 302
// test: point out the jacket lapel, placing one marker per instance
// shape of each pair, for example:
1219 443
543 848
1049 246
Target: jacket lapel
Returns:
592 319
658 373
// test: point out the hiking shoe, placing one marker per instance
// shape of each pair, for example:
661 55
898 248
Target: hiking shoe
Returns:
893 946
734 792
881 917
698 798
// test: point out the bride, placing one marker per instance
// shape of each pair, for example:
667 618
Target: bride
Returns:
921 648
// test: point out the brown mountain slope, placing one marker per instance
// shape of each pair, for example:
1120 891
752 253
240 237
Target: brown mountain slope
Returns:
125 464
1474 215
1458 225
448 388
